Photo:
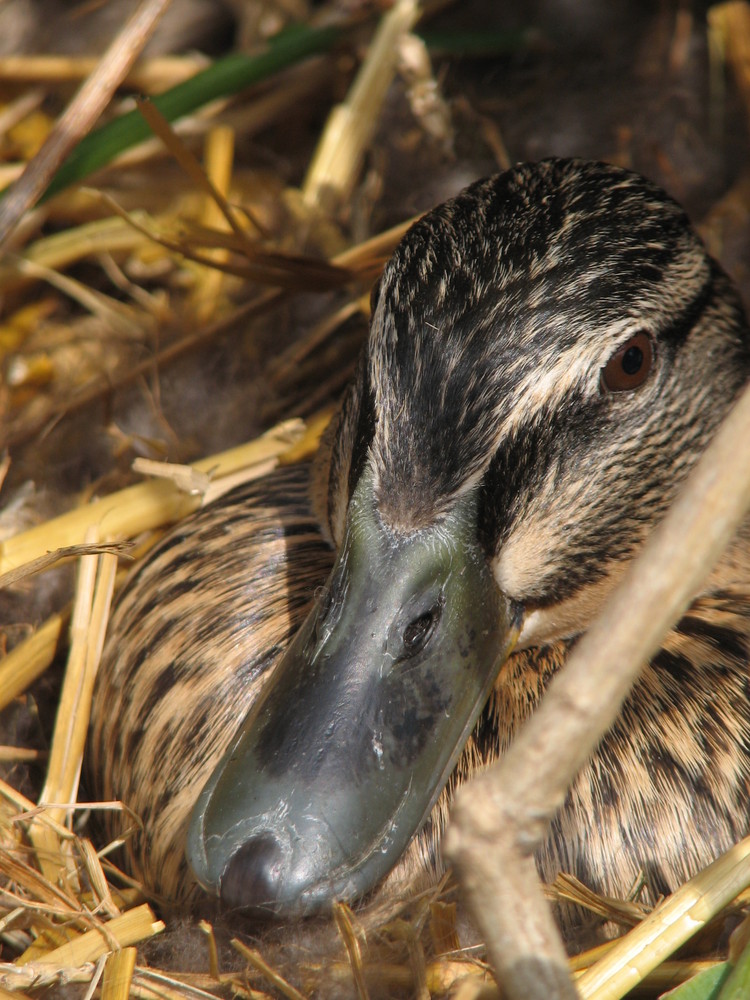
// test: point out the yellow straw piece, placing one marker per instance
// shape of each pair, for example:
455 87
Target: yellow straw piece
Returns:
729 36
118 974
29 659
97 878
345 923
87 638
130 928
669 926
213 951
351 125
36 977
25 806
90 611
142 507
261 965
49 852
113 235
185 477
219 160
147 75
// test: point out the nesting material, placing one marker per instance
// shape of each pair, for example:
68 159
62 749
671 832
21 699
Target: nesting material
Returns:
65 902
67 915
118 974
152 504
149 75
87 106
28 661
350 127
89 621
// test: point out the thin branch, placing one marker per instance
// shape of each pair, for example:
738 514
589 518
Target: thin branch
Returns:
80 115
499 820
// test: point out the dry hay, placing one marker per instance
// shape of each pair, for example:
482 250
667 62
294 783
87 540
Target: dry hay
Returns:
191 254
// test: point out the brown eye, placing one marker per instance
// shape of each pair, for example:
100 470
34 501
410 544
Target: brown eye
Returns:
629 366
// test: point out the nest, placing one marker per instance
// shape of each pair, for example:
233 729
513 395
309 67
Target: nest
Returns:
182 301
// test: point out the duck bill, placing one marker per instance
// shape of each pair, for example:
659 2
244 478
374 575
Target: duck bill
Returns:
356 732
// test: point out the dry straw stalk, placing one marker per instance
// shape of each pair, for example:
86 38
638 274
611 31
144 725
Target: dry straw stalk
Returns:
145 506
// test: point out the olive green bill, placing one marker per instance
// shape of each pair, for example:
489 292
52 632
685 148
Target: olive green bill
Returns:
360 724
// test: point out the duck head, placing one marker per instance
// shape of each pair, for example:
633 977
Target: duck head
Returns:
548 354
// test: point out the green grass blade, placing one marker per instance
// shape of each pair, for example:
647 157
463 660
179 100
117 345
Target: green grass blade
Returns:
737 986
487 43
705 986
225 76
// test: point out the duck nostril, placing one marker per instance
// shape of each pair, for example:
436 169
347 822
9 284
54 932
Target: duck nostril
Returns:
418 631
250 881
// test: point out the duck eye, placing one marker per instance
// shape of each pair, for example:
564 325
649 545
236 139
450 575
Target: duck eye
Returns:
417 632
630 365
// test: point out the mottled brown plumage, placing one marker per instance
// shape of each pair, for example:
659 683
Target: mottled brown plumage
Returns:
483 375
188 644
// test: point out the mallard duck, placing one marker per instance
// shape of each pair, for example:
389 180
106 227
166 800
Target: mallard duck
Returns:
549 354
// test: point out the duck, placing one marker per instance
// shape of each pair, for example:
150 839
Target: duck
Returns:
300 675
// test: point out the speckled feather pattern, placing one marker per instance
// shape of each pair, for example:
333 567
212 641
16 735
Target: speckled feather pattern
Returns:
188 648
491 326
